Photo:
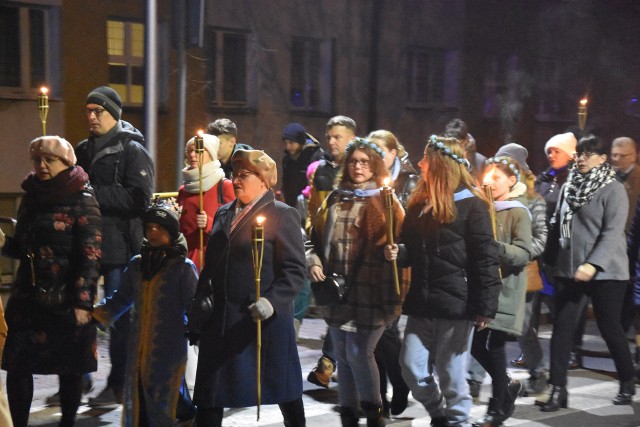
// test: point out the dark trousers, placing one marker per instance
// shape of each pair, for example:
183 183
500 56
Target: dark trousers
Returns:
118 333
488 349
607 297
292 412
20 395
387 354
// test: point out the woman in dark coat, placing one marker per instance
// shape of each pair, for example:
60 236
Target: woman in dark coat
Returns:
57 240
225 309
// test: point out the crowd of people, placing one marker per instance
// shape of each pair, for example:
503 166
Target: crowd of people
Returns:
468 248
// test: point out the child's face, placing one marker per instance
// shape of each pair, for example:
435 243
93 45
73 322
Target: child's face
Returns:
156 235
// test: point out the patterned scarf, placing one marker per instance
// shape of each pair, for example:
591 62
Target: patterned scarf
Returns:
580 188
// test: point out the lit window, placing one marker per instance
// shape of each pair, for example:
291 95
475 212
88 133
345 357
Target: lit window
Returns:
125 47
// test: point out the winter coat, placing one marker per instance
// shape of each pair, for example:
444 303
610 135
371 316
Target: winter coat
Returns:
157 348
514 236
633 252
597 236
324 181
58 233
121 173
294 171
406 181
212 199
372 300
548 185
226 375
538 208
454 267
631 184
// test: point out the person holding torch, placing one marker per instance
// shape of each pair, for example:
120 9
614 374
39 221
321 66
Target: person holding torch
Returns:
447 240
226 312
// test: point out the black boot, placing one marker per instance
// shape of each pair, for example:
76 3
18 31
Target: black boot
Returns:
557 399
373 412
293 413
349 417
625 395
493 417
209 417
514 388
439 422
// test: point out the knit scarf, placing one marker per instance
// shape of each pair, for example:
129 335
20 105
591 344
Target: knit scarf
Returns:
358 191
212 173
580 188
43 194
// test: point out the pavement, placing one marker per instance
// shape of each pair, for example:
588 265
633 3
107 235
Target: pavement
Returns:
590 392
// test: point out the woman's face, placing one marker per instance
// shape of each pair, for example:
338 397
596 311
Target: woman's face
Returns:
587 161
47 166
500 183
359 166
247 185
424 166
389 155
192 156
557 158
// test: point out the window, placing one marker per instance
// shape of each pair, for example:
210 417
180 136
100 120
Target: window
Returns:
125 47
227 70
432 77
28 42
311 74
561 87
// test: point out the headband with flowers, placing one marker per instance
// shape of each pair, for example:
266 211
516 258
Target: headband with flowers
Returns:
438 143
361 143
507 161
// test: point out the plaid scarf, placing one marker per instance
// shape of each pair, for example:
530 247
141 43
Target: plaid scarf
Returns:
580 188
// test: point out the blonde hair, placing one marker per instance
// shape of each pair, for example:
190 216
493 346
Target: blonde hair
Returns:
444 175
389 140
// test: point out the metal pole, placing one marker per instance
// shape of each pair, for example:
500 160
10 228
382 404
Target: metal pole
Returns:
151 81
182 89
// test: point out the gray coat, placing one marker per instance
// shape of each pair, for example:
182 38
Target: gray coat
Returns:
597 235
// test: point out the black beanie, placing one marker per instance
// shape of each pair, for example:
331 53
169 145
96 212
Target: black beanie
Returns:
295 132
108 99
164 213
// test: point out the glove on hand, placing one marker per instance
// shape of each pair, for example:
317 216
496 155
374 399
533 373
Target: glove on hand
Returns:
261 309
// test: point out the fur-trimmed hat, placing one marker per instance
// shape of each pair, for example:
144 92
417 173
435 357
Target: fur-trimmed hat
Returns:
565 141
517 152
108 99
53 145
165 213
259 162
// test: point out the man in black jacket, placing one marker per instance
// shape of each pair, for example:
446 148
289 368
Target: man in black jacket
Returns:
121 172
227 132
300 150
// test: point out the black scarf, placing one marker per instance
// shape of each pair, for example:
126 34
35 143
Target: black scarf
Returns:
42 194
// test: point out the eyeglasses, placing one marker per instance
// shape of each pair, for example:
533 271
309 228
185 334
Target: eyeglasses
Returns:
584 155
364 163
241 176
48 160
97 111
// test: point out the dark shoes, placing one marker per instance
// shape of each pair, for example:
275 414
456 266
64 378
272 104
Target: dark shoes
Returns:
321 374
107 397
625 395
536 384
87 387
439 422
474 388
519 362
494 416
399 401
558 398
514 388
575 360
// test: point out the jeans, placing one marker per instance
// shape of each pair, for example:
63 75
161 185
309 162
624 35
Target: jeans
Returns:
440 347
118 333
607 297
359 380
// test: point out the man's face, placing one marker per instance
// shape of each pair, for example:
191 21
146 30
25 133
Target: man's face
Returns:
623 156
100 120
226 148
338 137
292 148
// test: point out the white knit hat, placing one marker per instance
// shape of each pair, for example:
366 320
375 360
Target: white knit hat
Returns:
565 141
211 143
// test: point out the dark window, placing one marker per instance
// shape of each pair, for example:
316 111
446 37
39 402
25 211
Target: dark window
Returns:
426 79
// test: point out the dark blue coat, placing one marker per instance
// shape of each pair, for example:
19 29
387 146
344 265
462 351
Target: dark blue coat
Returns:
226 375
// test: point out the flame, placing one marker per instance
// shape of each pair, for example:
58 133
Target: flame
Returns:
260 220
386 181
488 177
583 102
200 133
44 90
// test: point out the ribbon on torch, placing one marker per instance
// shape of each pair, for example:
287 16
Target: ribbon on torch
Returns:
43 108
257 250
199 149
386 193
582 113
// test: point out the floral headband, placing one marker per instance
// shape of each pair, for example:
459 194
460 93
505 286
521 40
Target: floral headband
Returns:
507 161
438 143
361 143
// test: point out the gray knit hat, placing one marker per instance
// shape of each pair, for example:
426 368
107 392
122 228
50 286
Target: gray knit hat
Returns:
108 99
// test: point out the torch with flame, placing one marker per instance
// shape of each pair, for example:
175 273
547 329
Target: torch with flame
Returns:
387 200
199 149
582 113
43 108
257 250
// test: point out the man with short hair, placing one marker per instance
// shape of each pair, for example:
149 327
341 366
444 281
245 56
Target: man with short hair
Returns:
300 149
624 159
227 132
121 173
